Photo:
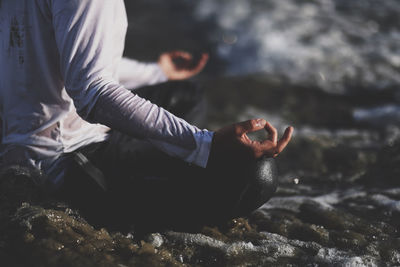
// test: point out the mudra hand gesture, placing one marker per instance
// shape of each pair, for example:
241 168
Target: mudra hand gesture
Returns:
232 143
180 65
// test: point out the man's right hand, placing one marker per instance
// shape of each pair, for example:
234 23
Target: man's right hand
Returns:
232 144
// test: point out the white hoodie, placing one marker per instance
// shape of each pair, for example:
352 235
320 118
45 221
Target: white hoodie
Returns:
58 58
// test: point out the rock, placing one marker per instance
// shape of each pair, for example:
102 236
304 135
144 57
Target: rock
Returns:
17 185
155 239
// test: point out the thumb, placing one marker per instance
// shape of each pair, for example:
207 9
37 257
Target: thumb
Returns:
249 126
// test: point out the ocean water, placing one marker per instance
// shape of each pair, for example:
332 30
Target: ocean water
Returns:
333 44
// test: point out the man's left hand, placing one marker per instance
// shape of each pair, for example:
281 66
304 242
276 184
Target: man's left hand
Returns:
180 65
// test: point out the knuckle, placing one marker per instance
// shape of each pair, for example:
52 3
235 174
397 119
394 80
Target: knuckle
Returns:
237 129
250 124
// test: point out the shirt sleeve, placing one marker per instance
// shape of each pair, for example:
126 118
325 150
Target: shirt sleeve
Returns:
88 38
133 74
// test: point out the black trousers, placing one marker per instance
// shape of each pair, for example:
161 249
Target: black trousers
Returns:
146 187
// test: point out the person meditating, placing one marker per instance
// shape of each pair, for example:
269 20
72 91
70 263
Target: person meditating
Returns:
65 111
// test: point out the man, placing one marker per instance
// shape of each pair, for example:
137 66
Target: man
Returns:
60 93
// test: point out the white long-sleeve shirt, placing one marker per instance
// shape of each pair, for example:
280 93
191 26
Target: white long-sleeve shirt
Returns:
58 58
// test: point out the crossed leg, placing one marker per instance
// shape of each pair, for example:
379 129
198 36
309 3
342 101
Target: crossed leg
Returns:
150 189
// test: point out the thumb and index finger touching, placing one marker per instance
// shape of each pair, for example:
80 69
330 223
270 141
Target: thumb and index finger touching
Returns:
189 61
259 124
249 126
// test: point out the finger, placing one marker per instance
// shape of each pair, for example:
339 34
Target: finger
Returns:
282 143
200 64
244 127
273 133
182 54
203 60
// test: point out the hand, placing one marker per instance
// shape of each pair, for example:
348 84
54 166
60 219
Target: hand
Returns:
232 144
179 65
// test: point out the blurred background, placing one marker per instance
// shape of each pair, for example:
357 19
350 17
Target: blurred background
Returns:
329 68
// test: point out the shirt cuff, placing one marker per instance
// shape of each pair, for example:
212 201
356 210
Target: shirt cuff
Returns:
200 156
133 74
158 74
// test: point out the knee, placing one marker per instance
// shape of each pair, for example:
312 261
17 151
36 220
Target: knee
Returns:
262 180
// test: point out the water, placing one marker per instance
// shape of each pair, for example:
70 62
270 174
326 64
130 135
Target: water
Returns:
333 44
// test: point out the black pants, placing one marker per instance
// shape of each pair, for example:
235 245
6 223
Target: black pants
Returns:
148 188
